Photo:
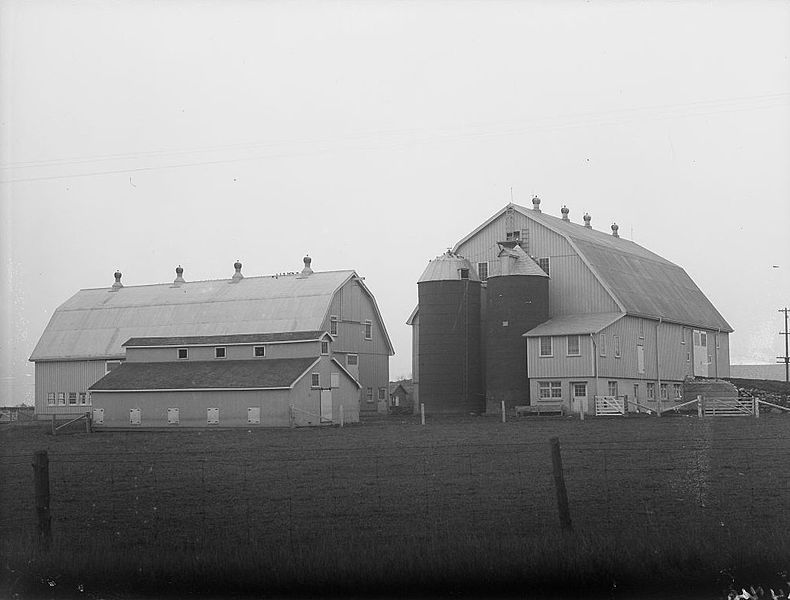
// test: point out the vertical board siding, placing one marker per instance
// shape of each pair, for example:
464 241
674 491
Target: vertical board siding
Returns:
232 352
560 365
65 376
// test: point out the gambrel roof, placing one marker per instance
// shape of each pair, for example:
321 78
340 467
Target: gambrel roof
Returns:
640 282
94 323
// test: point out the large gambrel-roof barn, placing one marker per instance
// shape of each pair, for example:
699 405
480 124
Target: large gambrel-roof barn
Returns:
616 319
84 338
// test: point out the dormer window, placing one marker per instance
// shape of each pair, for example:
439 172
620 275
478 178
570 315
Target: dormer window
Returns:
219 352
324 347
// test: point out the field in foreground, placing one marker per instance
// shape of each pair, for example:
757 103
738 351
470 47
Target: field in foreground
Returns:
460 506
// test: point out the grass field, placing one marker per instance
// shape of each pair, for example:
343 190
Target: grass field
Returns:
462 506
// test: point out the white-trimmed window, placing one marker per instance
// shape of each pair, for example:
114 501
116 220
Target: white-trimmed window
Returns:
315 380
612 388
651 390
83 398
676 391
463 273
324 347
62 398
51 399
73 398
220 352
183 353
545 346
382 393
616 343
109 365
548 390
602 344
369 394
580 389
703 339
636 392
664 392
573 345
333 321
352 360
259 351
543 263
682 335
482 270
368 330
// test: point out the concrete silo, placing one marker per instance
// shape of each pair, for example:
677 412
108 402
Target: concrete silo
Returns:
517 301
449 344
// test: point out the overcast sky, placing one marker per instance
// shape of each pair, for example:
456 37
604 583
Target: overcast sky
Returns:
373 135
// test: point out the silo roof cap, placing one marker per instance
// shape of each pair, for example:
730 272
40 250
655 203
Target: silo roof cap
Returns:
449 267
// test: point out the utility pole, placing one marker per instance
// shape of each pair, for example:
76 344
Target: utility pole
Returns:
786 357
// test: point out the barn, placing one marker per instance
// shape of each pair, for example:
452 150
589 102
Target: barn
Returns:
551 313
84 339
245 380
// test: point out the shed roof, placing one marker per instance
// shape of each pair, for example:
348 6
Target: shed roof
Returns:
641 282
574 324
240 338
271 373
94 323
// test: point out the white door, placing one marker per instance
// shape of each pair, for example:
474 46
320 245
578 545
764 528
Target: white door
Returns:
326 406
700 353
579 396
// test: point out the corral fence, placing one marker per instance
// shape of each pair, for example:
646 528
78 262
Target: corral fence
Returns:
282 496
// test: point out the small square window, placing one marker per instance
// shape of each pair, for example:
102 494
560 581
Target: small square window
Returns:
324 347
352 360
315 380
219 352
545 346
573 345
51 398
183 353
259 351
368 330
72 398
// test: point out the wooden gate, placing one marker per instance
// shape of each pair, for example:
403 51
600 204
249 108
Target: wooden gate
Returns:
728 407
609 406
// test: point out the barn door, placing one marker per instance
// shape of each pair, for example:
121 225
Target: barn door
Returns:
700 353
326 406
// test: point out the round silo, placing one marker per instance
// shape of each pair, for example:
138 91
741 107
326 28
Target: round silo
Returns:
449 343
517 301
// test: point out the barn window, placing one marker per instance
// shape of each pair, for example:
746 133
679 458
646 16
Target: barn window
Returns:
333 320
73 398
315 380
183 353
324 347
612 385
545 346
51 398
573 345
543 263
61 398
703 339
676 391
370 394
482 270
602 344
219 352
382 393
616 341
259 351
368 330
352 360
83 398
549 389
464 273
651 390
663 391
109 365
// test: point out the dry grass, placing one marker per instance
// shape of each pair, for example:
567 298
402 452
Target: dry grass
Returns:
462 506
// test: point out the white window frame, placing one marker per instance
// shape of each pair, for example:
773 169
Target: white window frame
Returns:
602 344
664 389
382 393
61 398
549 390
480 270
356 360
369 394
579 383
83 398
255 351
618 350
325 344
641 329
51 399
72 398
186 353
651 390
368 329
315 380
540 346
217 351
612 385
334 322
578 345
677 391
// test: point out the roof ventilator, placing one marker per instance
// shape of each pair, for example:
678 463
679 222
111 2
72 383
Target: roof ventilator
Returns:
237 276
536 204
564 210
117 285
587 219
614 230
307 271
179 276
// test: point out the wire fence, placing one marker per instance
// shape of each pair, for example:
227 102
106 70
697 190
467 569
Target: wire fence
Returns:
280 495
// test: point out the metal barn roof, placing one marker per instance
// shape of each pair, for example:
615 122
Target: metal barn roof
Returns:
640 281
94 323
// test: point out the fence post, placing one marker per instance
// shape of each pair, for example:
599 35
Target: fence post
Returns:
54 428
756 407
559 484
503 411
341 415
41 490
291 419
88 428
700 410
422 413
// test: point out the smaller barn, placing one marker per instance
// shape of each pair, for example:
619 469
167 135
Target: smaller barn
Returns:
401 397
243 380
